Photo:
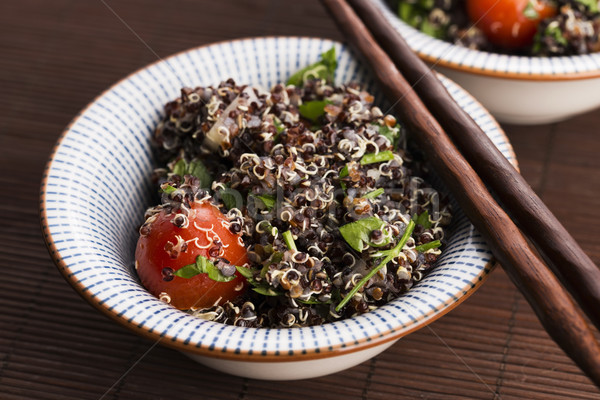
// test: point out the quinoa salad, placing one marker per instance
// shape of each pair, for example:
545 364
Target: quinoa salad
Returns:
292 207
523 27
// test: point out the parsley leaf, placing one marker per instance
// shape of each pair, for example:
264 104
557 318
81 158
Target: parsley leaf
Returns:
195 168
357 233
312 110
322 69
422 219
203 266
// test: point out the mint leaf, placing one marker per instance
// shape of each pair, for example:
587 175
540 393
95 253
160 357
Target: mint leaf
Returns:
195 168
180 168
245 272
199 170
266 290
357 233
422 219
312 110
372 158
322 69
231 198
267 199
203 266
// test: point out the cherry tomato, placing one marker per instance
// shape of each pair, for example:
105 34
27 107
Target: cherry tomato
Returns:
165 248
506 23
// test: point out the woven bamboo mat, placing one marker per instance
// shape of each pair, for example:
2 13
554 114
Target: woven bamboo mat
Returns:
56 56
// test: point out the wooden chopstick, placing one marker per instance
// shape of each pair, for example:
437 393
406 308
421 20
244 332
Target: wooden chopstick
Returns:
563 254
551 303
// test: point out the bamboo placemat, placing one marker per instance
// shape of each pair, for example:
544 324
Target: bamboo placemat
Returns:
57 56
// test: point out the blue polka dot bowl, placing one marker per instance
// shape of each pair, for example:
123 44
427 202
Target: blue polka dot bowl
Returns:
515 89
97 186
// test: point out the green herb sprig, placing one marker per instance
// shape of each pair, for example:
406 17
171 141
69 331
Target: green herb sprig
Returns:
357 233
372 158
387 255
203 266
428 246
288 238
322 69
312 110
195 168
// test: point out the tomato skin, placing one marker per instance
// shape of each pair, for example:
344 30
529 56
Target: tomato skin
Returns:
152 257
504 23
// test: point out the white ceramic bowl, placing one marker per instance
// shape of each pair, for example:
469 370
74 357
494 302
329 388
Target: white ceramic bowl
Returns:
97 186
515 89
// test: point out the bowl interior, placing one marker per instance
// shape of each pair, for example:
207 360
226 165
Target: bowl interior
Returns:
96 188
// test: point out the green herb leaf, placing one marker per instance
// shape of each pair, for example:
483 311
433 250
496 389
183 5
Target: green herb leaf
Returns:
392 134
422 219
168 189
529 11
388 256
245 272
289 240
428 28
322 69
372 158
405 11
312 301
278 125
312 110
267 199
592 5
357 233
343 173
266 290
203 266
230 198
428 246
195 168
180 167
374 194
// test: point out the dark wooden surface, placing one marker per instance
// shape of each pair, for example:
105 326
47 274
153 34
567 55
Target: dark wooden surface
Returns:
56 56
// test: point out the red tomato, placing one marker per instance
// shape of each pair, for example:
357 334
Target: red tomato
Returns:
167 248
504 21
